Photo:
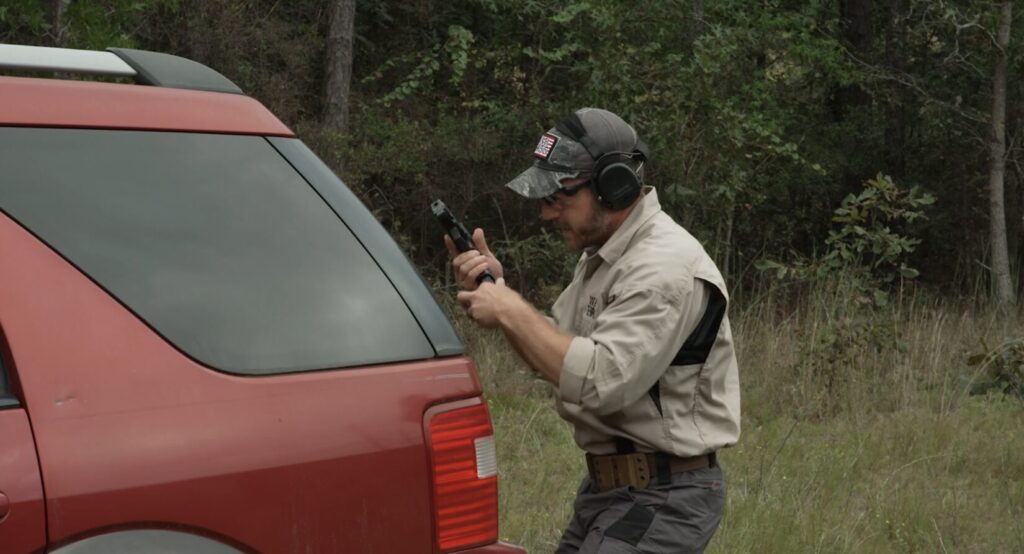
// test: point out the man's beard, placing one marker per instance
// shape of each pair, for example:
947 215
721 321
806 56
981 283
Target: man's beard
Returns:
593 234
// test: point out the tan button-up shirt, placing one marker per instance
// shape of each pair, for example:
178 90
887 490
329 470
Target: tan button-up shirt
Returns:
631 306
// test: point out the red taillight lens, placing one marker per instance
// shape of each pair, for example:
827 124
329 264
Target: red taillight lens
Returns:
464 470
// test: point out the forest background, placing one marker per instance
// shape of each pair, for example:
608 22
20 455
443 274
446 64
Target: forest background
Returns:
855 167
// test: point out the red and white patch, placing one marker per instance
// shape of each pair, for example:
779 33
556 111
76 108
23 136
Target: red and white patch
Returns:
545 146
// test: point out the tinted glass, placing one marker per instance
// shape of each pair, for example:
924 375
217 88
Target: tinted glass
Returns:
7 398
4 387
215 241
407 281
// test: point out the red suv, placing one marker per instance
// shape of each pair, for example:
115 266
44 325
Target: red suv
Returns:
207 343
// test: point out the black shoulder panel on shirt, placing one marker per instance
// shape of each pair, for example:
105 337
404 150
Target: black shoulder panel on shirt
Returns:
698 345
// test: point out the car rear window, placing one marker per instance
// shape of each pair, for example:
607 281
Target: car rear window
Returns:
6 396
214 241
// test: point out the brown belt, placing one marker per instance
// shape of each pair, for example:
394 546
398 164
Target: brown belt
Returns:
637 469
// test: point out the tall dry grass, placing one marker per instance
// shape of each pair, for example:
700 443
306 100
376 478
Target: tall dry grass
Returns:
851 441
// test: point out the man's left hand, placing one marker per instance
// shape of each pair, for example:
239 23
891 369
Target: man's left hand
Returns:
485 304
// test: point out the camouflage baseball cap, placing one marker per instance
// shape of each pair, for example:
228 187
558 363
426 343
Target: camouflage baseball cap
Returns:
560 156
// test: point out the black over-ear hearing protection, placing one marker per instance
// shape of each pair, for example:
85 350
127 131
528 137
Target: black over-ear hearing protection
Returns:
615 182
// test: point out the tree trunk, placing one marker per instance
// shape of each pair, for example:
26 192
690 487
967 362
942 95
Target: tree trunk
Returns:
900 99
340 34
855 16
696 20
851 99
59 30
1001 281
855 22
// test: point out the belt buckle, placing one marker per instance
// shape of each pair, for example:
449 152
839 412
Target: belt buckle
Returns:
620 470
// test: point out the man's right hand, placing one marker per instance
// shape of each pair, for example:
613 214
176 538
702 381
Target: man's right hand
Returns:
469 265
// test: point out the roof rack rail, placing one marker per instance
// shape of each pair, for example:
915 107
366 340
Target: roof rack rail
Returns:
147 68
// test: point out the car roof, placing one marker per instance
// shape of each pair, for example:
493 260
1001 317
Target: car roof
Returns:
172 94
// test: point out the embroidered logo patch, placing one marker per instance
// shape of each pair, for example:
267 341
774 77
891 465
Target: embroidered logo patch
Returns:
545 146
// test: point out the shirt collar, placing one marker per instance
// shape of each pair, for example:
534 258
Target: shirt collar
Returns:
644 210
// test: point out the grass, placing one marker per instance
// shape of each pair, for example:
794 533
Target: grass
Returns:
850 443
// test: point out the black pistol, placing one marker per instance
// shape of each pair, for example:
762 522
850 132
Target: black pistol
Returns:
457 231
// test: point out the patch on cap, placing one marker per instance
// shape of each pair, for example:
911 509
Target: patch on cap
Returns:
545 146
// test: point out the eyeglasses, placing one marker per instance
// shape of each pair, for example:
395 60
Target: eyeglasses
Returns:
554 199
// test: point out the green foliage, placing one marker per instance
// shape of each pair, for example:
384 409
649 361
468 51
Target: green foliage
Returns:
835 354
865 259
426 67
999 369
543 260
868 246
868 251
23 22
452 54
99 25
91 25
460 39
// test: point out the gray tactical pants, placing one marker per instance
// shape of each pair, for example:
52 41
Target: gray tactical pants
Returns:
670 518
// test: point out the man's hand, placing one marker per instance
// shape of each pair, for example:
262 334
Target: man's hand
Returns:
485 304
469 265
537 340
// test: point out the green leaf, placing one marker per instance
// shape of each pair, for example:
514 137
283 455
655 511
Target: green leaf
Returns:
909 272
881 298
570 12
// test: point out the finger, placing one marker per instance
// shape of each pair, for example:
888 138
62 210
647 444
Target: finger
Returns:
500 281
469 263
477 269
461 268
465 257
457 257
465 298
481 242
452 251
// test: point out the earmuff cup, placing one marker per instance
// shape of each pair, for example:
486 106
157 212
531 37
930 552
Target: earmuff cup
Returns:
615 182
617 185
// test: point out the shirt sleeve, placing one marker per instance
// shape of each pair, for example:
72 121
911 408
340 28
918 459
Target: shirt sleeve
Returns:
633 342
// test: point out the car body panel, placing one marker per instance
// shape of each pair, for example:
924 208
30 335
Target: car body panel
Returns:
22 515
52 103
130 431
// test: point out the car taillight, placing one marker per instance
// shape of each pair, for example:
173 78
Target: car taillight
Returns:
464 470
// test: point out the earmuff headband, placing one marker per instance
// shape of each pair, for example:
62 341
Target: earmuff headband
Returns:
573 128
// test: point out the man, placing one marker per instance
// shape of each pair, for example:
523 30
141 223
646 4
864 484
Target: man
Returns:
639 347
